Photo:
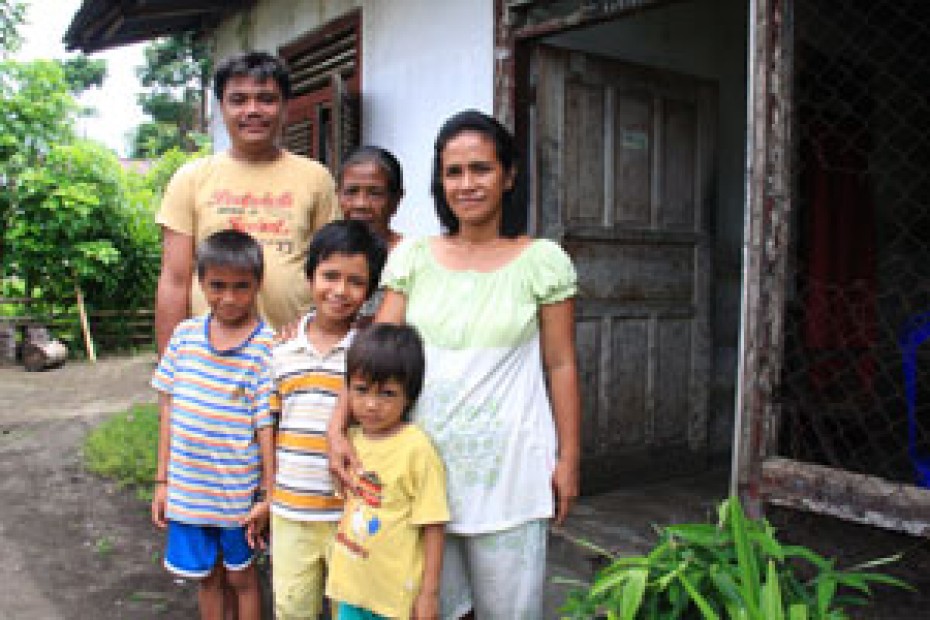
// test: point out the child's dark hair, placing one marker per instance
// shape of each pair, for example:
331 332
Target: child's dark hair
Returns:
386 351
347 237
385 160
258 65
233 249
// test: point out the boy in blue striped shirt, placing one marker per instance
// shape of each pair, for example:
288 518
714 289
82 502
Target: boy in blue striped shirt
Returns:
216 439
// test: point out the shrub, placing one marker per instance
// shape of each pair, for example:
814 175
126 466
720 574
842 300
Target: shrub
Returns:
736 570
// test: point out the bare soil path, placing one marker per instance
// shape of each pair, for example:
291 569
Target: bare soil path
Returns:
73 545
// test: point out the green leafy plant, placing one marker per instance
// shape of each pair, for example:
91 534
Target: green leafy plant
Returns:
104 546
735 570
125 448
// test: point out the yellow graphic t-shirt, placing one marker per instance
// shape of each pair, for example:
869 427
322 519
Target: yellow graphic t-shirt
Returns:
281 203
377 560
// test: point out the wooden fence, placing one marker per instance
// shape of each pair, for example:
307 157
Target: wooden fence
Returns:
112 330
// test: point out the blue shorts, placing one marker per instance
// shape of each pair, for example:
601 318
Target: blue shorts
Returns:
351 612
194 550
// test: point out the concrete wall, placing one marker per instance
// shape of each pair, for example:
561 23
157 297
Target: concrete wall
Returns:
705 38
421 62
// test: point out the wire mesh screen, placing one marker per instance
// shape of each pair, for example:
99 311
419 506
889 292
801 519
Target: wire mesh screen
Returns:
861 237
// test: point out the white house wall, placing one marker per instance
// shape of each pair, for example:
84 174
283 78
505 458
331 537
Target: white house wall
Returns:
421 62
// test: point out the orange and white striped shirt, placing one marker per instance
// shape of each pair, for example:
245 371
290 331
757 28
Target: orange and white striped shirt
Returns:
307 386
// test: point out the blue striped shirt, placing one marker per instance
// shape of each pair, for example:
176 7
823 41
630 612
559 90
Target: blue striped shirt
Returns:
218 400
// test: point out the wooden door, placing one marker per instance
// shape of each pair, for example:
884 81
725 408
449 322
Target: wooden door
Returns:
624 166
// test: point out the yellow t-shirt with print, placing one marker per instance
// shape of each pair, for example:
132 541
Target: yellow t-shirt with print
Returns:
281 203
377 560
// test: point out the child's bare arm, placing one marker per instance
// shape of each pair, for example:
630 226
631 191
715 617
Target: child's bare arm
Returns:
265 438
257 521
160 494
426 605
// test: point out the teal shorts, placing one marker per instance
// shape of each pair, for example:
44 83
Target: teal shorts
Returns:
351 612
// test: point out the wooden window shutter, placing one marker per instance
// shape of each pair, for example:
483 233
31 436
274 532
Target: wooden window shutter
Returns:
324 111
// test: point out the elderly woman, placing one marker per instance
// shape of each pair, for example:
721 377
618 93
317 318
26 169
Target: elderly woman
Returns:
371 184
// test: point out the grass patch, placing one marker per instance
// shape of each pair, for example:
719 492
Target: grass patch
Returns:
125 448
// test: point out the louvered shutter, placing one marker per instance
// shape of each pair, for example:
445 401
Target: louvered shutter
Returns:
324 112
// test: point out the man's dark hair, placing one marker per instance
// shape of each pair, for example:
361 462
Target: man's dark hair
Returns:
386 351
347 237
513 218
258 65
232 249
382 158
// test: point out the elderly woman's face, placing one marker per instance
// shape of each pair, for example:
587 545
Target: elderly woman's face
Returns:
365 195
473 179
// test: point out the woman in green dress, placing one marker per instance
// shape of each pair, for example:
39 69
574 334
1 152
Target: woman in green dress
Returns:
495 309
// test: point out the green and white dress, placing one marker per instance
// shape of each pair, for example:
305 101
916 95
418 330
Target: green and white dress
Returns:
484 401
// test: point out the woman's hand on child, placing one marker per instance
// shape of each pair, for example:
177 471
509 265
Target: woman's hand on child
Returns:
287 332
343 461
159 500
256 523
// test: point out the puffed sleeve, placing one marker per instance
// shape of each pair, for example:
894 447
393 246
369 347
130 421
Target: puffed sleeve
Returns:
552 275
398 272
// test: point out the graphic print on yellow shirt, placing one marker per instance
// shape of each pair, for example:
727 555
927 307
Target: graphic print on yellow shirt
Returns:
281 203
363 522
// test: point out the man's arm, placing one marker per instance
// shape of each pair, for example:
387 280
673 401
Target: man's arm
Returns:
172 303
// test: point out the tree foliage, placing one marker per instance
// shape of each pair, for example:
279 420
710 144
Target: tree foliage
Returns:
12 16
69 212
176 73
83 73
36 112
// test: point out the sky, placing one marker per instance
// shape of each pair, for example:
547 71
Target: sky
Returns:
117 111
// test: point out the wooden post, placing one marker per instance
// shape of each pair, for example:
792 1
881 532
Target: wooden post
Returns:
765 248
85 326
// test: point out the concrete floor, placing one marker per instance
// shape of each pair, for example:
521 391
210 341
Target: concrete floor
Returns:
623 521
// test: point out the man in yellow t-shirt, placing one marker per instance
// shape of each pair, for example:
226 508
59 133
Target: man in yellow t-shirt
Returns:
257 187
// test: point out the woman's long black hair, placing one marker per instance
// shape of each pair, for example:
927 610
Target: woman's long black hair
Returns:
513 215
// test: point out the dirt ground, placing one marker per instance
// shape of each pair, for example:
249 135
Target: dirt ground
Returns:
73 546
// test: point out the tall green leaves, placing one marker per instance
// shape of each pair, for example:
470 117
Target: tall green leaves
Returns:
736 570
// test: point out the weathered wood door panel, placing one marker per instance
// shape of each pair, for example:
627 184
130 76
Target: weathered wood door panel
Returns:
624 163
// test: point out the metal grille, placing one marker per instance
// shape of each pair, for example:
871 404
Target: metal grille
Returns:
860 266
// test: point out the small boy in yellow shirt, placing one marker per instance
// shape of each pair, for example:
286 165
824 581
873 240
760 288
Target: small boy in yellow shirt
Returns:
388 552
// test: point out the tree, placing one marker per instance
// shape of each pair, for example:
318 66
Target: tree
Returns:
176 72
12 16
83 73
36 112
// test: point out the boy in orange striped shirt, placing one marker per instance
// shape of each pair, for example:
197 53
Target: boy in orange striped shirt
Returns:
343 267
